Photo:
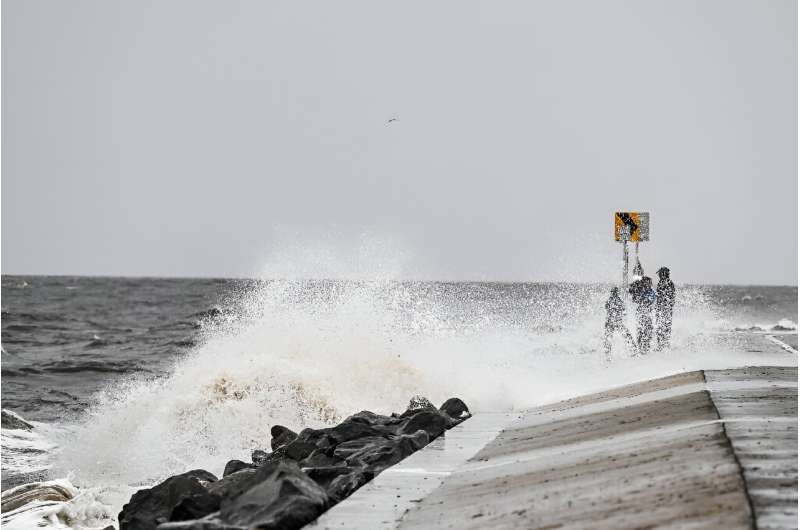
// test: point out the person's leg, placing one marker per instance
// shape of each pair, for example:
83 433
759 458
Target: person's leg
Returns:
629 340
639 338
647 336
660 340
668 329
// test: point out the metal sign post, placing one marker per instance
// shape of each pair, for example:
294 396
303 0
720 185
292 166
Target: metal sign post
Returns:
625 263
630 226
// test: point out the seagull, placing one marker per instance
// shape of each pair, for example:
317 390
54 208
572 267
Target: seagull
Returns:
391 120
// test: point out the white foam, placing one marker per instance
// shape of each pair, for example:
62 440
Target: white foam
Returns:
300 355
85 511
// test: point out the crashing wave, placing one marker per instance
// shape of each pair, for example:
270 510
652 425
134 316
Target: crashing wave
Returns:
53 504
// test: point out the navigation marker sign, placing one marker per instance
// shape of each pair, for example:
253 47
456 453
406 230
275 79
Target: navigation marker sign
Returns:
632 226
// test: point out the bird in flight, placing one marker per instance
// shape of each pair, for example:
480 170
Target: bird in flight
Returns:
391 120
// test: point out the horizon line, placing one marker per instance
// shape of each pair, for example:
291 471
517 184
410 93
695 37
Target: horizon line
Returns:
398 280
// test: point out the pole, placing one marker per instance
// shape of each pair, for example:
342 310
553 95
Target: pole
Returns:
625 265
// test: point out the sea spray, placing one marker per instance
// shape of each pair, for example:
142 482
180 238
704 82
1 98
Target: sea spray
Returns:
306 353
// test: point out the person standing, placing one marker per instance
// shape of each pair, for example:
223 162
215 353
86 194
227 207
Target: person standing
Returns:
665 302
644 298
615 321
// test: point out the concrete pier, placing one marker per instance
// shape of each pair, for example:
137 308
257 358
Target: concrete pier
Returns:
704 449
382 502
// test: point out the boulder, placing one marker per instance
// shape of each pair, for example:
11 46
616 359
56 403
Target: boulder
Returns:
236 465
285 498
344 485
352 430
456 410
370 418
431 421
210 522
298 449
305 473
235 483
321 458
346 449
325 475
150 507
281 436
318 437
194 507
376 458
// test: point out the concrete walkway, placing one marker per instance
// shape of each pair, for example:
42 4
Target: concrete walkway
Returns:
383 501
715 449
706 449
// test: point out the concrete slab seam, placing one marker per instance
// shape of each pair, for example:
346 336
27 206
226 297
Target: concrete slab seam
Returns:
753 523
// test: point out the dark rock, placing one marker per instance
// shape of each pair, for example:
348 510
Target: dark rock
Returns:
236 465
195 507
304 474
281 436
234 484
352 430
298 449
210 522
285 498
320 458
150 507
325 475
318 437
259 457
455 409
430 421
379 457
370 418
344 485
347 449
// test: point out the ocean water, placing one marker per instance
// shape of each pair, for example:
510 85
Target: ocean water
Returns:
128 381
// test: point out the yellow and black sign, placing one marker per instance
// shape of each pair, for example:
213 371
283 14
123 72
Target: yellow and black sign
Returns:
632 226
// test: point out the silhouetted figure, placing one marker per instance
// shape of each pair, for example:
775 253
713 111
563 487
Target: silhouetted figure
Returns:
615 321
638 270
644 298
665 302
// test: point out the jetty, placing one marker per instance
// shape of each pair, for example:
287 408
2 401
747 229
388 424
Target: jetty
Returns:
700 449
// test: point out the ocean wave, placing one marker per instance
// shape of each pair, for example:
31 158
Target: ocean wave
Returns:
782 325
303 354
79 366
56 504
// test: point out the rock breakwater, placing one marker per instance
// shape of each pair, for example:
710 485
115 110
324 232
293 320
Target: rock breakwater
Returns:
304 474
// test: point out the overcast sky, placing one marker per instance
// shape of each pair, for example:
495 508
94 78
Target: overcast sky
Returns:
197 138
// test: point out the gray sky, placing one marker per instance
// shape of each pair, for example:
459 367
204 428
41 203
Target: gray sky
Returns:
196 138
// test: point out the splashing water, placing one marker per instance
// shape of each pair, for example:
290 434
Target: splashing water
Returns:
305 353
310 352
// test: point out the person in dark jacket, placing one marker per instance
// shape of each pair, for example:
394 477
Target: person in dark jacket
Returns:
615 321
644 297
665 302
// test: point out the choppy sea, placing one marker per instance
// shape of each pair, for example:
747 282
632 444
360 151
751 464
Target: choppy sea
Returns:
127 380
